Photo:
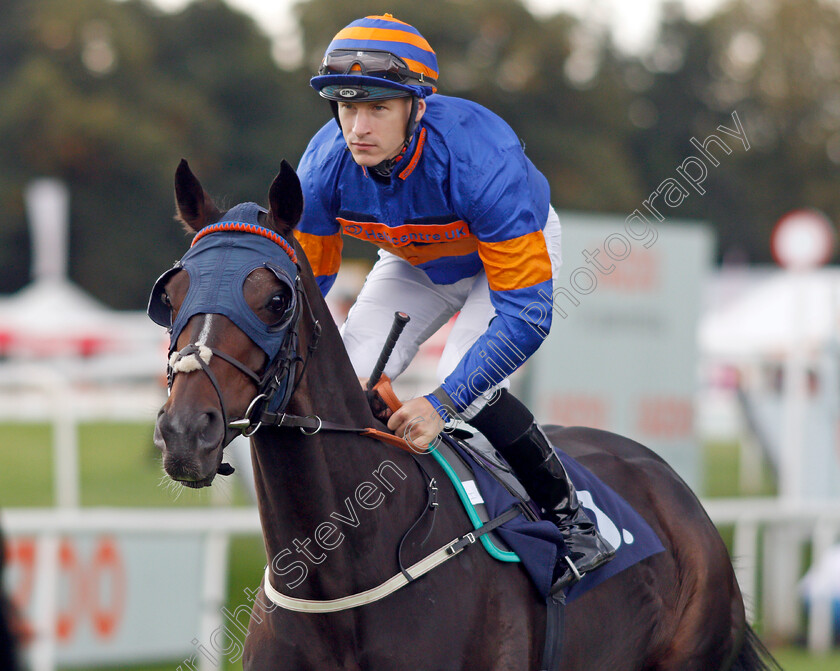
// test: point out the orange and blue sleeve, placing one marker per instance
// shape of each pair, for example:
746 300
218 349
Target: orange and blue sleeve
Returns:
324 255
318 232
507 214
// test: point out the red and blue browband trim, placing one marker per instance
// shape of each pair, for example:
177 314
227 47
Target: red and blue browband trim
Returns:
242 227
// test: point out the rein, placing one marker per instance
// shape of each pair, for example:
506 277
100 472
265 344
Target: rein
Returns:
266 408
429 562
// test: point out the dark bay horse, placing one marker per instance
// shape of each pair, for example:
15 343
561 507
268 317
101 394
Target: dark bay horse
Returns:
336 506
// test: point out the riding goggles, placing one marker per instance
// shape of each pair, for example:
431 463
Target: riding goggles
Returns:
371 63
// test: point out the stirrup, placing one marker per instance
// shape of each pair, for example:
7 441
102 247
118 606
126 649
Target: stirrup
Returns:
572 566
566 579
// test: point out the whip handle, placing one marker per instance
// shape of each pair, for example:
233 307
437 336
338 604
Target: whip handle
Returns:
400 320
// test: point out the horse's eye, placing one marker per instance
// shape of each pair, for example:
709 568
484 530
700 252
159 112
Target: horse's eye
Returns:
278 303
165 298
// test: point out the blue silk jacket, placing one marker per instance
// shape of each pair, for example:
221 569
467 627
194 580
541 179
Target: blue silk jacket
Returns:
463 198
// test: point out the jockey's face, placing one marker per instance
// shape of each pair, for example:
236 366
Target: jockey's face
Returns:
375 130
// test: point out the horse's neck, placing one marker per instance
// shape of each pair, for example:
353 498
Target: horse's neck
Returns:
329 386
308 485
333 507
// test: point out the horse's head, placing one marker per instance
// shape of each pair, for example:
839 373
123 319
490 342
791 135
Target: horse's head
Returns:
232 306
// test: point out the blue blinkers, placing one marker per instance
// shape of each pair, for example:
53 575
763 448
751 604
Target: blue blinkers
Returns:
218 262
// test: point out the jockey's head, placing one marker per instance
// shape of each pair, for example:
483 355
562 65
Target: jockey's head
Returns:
372 60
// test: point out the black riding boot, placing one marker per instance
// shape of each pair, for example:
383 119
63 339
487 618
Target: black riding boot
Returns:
533 458
511 429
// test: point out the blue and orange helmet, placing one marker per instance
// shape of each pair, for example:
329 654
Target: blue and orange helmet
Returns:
377 58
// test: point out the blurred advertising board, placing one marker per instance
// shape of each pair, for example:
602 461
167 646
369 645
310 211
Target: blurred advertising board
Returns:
622 352
118 598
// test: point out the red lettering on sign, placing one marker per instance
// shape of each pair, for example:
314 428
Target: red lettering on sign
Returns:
95 588
20 559
665 417
71 575
578 410
638 272
21 553
106 561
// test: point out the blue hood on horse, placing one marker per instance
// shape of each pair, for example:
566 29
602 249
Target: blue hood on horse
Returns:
218 265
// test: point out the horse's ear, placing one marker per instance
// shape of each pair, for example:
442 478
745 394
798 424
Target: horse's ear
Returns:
285 199
195 207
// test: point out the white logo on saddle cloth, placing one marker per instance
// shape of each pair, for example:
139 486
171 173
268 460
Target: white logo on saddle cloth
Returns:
606 526
472 492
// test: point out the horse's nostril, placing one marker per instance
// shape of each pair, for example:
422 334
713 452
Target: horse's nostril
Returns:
209 429
200 430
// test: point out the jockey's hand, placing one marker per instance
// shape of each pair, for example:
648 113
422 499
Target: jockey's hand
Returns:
418 422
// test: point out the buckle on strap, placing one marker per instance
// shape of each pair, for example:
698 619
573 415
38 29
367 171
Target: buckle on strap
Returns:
472 536
572 566
461 543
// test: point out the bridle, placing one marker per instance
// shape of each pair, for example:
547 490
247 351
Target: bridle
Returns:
219 260
274 387
209 278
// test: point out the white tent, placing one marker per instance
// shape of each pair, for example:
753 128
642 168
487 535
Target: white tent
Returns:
53 320
763 314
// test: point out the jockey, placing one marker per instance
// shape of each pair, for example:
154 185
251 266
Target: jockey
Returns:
464 224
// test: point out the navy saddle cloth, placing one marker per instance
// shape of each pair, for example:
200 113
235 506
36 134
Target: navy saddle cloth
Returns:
539 544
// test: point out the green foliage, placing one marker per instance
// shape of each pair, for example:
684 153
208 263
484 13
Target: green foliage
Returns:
109 95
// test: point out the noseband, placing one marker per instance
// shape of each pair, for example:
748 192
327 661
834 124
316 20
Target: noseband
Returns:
219 260
281 373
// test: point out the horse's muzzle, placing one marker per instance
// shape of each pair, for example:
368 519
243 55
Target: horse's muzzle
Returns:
191 443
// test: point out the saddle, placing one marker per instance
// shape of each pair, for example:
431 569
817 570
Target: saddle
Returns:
487 487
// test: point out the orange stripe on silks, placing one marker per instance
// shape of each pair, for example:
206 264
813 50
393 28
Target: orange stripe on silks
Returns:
413 252
388 17
417 66
421 140
417 254
322 251
516 264
407 234
383 35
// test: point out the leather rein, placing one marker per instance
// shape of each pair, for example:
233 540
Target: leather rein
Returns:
284 369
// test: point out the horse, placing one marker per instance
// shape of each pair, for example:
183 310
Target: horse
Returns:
343 512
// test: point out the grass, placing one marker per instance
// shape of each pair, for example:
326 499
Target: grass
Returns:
119 466
798 659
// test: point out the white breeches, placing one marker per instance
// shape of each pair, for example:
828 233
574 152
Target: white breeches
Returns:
395 285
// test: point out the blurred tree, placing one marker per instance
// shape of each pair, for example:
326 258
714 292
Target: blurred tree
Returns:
777 64
108 96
